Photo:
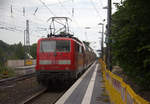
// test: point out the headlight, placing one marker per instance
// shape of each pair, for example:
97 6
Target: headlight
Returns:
64 62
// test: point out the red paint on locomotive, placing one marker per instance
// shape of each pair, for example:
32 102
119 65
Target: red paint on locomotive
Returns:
60 58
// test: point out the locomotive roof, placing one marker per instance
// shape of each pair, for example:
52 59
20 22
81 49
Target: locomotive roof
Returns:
66 37
69 38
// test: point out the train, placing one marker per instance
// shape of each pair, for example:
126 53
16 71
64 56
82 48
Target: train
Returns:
62 57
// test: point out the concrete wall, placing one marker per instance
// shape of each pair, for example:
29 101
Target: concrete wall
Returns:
17 63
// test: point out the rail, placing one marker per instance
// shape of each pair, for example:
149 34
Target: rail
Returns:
34 96
15 79
119 92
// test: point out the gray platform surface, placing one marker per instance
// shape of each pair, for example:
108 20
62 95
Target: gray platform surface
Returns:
86 90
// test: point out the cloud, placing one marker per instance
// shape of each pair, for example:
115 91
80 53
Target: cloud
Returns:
4 2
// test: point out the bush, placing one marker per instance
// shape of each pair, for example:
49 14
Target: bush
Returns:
6 72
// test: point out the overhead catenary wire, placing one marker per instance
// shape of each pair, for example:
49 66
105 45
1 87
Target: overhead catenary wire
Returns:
10 28
94 6
35 11
74 17
47 8
13 27
18 13
24 12
63 7
15 12
21 17
100 1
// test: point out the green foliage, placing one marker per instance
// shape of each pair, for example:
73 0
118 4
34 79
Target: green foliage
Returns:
6 72
19 51
33 50
15 51
130 36
4 53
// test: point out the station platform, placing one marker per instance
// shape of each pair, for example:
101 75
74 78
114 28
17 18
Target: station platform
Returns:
87 89
25 70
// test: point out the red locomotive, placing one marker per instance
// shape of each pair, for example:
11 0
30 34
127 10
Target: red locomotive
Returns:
61 57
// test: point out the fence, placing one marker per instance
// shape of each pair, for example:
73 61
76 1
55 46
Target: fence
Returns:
119 92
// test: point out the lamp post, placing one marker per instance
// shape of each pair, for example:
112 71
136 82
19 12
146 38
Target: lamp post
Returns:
86 28
109 63
102 49
108 48
100 42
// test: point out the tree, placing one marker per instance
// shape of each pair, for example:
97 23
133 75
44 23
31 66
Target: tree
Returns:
33 50
19 52
130 40
1 58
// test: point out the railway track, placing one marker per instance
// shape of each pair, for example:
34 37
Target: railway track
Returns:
29 100
48 95
5 82
44 97
26 90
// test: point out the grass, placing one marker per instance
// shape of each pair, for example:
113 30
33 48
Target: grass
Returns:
6 72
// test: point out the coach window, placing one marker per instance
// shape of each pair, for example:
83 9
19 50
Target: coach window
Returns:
77 48
80 49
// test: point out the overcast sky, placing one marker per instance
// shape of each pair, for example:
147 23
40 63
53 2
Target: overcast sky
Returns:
87 13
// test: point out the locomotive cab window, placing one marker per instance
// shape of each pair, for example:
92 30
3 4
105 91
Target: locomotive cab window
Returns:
47 46
62 46
55 46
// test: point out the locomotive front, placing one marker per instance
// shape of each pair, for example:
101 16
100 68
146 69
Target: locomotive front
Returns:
54 59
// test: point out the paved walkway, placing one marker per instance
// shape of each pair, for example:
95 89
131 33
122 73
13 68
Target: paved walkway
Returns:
86 90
